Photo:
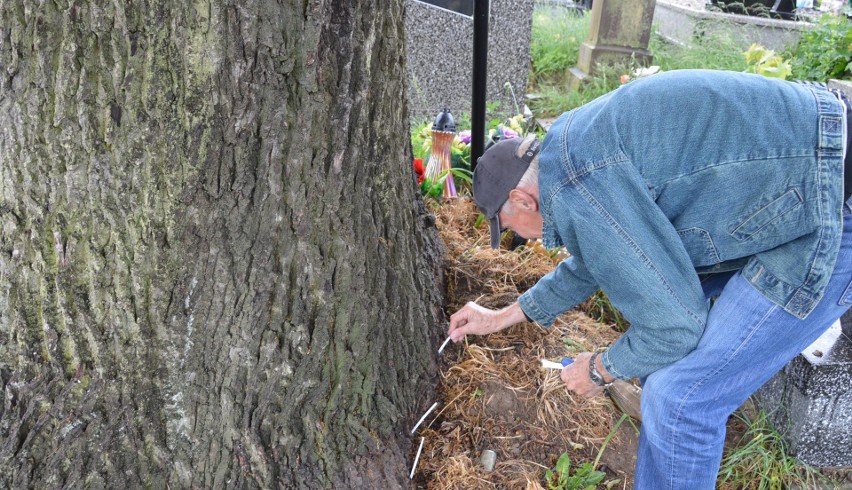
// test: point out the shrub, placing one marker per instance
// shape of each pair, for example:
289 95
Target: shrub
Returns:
825 51
765 62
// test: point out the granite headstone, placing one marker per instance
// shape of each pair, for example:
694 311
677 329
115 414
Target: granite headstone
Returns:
810 401
439 45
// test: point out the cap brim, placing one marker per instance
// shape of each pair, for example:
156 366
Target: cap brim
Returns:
495 231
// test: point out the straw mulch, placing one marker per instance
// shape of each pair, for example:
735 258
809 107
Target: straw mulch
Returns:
493 393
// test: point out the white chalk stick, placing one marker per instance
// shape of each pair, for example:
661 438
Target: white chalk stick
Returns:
424 417
545 364
416 458
444 344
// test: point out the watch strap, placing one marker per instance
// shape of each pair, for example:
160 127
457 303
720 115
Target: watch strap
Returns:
594 374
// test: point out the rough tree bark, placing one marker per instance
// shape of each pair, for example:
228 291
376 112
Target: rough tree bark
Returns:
215 271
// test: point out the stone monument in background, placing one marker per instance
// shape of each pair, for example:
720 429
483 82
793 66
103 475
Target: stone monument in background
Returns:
439 45
619 33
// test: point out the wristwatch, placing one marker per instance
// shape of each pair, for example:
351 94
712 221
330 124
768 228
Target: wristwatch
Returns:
597 377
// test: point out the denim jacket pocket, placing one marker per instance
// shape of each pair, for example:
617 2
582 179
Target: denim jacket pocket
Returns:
767 214
699 246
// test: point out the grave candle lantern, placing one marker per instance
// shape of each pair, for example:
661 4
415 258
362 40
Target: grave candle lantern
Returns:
440 158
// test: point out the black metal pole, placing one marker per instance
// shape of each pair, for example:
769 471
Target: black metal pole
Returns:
480 80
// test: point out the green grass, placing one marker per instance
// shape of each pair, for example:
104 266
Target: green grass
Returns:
759 460
557 33
554 47
556 98
601 309
718 51
555 42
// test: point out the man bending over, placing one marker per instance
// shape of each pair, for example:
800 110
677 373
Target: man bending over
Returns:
667 192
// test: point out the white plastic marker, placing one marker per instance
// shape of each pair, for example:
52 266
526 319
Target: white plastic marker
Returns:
444 344
416 458
545 364
424 417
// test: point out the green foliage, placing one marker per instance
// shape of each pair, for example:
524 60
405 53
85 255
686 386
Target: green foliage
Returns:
760 460
433 189
421 140
715 49
765 62
554 47
584 476
601 309
421 146
558 98
825 51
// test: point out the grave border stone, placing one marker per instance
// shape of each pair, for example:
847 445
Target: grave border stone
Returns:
681 24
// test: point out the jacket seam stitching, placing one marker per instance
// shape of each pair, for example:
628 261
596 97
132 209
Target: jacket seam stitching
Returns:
731 162
807 284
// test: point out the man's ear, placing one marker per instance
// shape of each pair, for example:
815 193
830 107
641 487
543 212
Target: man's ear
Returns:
522 199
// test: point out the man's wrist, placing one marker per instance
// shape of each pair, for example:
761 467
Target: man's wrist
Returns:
607 377
597 372
513 314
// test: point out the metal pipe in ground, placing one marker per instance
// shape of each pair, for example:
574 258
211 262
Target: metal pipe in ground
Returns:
480 80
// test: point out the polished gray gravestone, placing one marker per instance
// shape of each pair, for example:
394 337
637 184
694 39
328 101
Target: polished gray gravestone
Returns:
439 58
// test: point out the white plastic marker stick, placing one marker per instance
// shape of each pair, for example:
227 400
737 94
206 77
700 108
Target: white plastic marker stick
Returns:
545 364
416 458
424 417
444 344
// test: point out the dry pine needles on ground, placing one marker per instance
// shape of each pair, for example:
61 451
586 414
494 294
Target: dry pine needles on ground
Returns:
493 393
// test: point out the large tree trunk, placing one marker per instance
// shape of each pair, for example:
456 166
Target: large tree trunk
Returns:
215 271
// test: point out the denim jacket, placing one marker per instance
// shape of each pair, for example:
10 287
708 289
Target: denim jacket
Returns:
686 173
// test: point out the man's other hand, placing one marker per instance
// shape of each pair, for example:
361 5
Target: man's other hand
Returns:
477 320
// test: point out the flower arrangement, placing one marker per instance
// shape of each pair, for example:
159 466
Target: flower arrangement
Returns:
421 142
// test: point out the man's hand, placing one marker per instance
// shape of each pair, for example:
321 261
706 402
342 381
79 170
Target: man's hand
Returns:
576 376
476 320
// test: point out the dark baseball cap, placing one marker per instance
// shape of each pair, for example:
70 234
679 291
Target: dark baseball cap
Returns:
497 172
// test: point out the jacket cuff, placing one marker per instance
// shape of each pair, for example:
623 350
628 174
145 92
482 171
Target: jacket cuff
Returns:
533 312
615 371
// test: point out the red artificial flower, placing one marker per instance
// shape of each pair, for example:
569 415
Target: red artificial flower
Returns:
418 166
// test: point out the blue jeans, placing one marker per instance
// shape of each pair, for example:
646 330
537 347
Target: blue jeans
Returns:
685 406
